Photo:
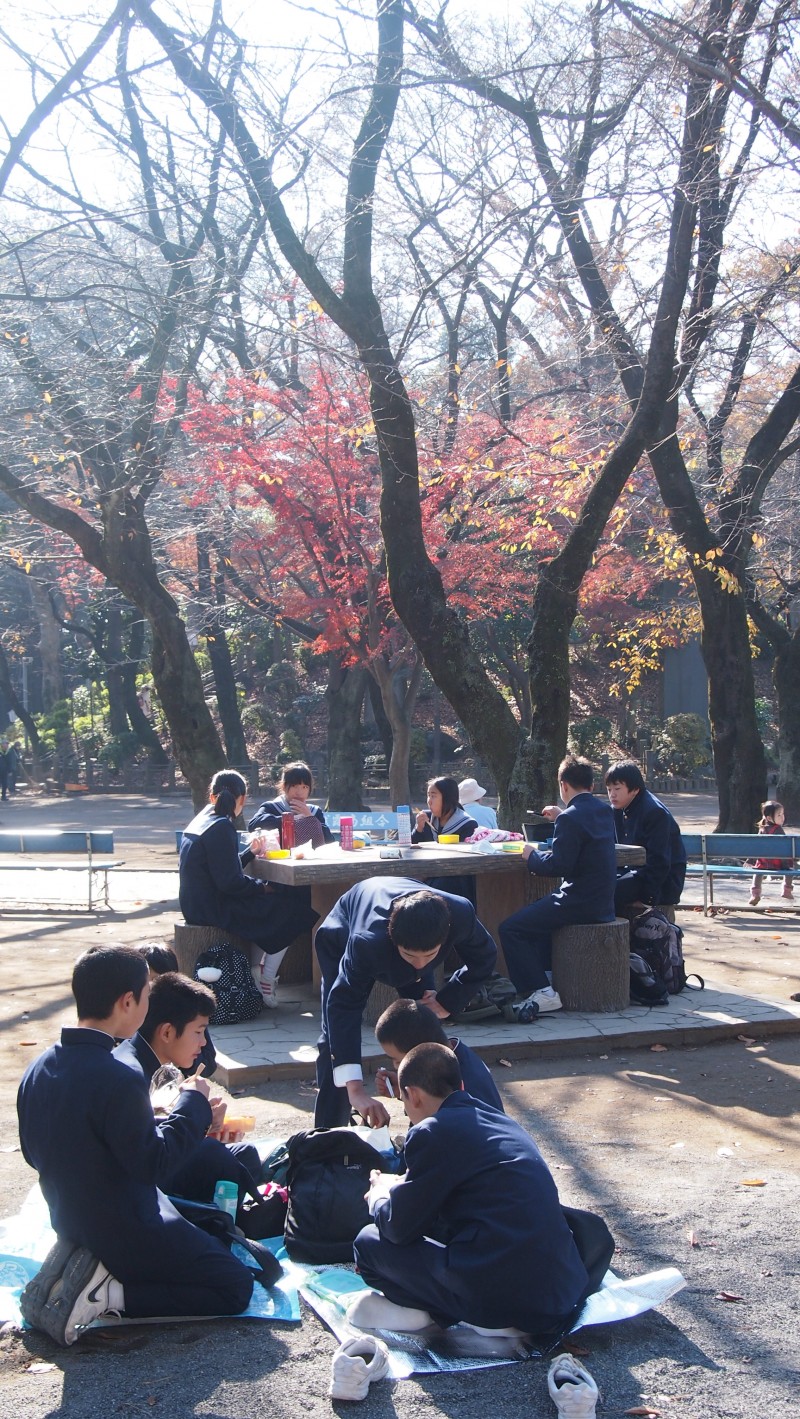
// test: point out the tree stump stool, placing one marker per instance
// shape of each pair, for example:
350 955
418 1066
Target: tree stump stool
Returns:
190 941
591 968
380 997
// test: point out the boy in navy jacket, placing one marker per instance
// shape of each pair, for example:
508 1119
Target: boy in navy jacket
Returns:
387 929
474 1231
584 856
406 1023
87 1126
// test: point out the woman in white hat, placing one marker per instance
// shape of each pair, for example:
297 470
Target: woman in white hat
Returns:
469 792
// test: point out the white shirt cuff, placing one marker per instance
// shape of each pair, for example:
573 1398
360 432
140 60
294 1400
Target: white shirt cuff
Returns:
346 1073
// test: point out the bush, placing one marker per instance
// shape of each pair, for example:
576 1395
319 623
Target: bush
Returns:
590 737
120 750
682 744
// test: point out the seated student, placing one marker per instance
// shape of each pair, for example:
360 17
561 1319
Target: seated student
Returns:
215 890
583 855
473 1231
87 1127
471 796
295 787
173 1032
387 929
160 959
640 817
444 814
406 1023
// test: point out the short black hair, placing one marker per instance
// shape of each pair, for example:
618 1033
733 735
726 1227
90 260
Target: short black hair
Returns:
432 1068
419 921
177 1000
627 771
578 773
406 1023
159 958
102 975
448 787
296 773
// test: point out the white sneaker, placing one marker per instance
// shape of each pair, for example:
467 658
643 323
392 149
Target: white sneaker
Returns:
268 988
80 1294
539 1002
572 1389
372 1311
355 1365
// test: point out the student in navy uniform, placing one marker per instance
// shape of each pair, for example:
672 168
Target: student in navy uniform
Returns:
174 1033
87 1127
584 856
215 890
640 817
294 789
387 929
473 1231
406 1023
445 814
161 959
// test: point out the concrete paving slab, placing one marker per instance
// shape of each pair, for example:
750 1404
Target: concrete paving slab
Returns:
283 1044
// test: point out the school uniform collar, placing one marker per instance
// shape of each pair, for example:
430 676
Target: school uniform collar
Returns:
86 1038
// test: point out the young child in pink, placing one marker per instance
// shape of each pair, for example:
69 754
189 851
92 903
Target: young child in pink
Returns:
773 818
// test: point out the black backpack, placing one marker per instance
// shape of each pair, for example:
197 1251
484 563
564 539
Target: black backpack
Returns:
238 996
328 1178
495 997
658 942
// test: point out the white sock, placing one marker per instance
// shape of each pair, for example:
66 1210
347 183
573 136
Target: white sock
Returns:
271 964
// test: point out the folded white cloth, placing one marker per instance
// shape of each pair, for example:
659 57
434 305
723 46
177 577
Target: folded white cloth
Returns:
355 1365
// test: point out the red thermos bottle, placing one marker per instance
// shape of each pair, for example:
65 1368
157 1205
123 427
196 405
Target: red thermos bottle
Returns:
287 831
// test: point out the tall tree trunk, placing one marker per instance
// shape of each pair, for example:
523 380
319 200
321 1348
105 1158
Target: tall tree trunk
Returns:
117 715
383 725
212 594
143 728
49 644
400 713
7 689
738 751
345 695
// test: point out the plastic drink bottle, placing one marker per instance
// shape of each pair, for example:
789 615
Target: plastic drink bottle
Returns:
346 834
226 1198
404 825
287 831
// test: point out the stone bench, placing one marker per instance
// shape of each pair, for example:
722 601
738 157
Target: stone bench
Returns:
591 965
190 941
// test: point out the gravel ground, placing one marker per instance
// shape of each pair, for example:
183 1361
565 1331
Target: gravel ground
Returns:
663 1142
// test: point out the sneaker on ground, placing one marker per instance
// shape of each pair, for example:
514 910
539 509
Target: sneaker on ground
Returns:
572 1389
372 1311
754 901
269 993
77 1296
538 1003
355 1365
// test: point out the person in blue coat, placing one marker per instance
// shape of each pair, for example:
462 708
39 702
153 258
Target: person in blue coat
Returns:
173 1033
160 960
406 1023
584 856
214 889
640 817
474 1231
86 1125
387 929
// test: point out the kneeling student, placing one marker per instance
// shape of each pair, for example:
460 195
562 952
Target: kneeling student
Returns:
86 1125
406 1023
174 1032
473 1231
